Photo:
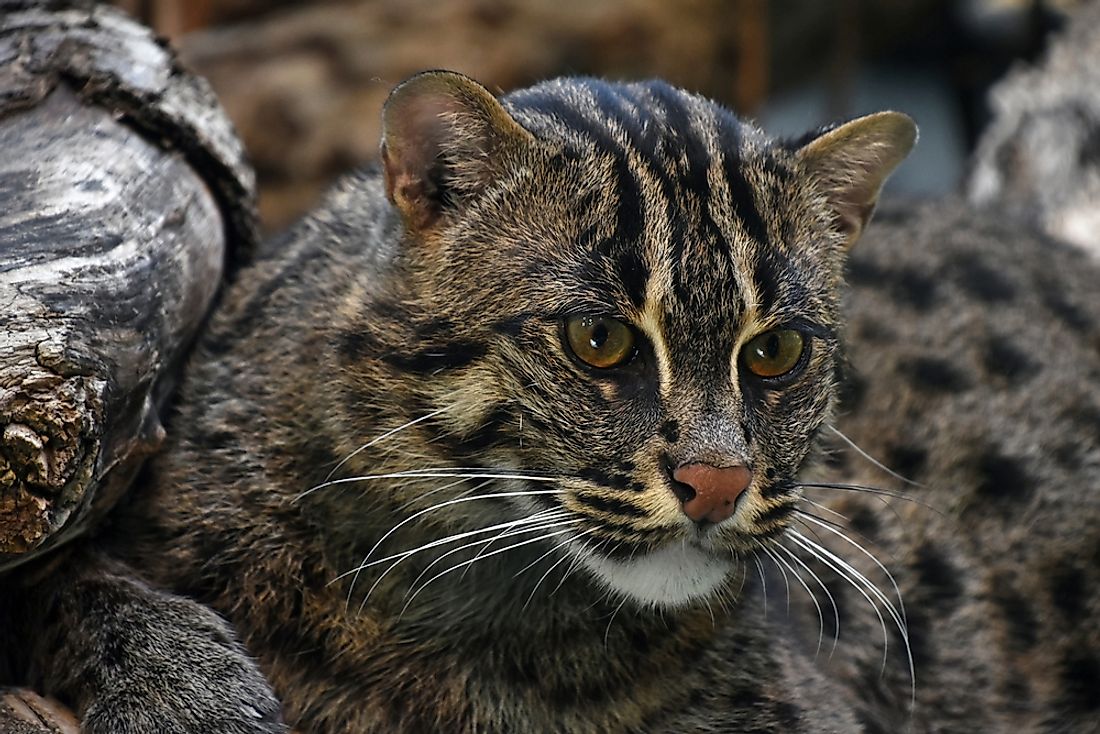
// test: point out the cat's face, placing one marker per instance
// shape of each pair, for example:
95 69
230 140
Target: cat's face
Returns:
646 291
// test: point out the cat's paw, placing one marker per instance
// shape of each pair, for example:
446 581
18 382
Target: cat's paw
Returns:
142 661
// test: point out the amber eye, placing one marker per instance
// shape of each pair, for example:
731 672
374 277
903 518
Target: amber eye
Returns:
599 341
773 353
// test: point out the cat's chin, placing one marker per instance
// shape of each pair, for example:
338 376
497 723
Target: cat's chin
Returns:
668 578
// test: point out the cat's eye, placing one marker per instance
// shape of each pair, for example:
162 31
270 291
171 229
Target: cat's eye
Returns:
773 353
600 341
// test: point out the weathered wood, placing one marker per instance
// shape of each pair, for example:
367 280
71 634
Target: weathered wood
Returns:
25 712
123 199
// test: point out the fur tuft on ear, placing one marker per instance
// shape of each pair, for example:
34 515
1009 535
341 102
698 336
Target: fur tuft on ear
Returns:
852 161
444 137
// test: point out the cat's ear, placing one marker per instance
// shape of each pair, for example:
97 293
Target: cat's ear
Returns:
444 137
852 161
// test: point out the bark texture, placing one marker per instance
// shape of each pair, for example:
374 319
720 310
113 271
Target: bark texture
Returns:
125 200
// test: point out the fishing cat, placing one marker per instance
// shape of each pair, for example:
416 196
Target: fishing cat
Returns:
506 435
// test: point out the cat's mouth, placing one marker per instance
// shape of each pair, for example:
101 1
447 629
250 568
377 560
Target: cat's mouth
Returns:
670 576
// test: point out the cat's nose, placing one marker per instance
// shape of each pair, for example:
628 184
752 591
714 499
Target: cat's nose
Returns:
715 490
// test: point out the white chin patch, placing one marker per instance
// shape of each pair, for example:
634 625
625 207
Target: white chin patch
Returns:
670 577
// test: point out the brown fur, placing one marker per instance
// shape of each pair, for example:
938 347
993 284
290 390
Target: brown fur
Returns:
440 314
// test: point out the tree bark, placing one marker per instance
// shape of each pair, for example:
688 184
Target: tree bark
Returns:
125 200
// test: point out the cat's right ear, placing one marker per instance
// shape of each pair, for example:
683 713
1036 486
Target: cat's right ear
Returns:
851 162
444 138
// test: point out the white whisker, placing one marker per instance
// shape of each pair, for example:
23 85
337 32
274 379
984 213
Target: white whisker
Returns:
786 581
763 581
425 474
820 523
856 579
383 437
556 563
463 564
828 594
817 606
872 459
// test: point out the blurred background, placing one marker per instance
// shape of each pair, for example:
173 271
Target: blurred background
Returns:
304 80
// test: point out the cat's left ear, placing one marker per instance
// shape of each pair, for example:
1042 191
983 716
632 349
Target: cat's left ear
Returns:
852 161
444 139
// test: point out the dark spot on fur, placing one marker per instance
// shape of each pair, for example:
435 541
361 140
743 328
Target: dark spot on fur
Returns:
871 725
1017 693
906 459
864 272
1067 591
906 286
767 280
864 521
1068 313
670 430
836 459
1002 477
788 715
1081 679
1003 359
1088 156
1068 455
1017 613
980 280
112 653
217 440
775 489
910 287
939 578
1087 418
934 375
640 641
872 331
356 345
922 642
853 389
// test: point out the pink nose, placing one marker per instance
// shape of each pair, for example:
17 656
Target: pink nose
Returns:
716 490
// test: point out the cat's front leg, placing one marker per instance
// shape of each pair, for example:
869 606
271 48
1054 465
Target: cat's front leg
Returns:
132 659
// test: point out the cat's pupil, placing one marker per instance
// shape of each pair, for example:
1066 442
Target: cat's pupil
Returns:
771 348
599 336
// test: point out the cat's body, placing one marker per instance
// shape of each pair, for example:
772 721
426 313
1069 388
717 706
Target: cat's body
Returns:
431 337
975 350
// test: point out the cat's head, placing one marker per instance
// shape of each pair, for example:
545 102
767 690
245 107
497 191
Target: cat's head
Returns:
624 289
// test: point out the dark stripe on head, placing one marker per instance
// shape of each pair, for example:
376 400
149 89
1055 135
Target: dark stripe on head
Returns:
633 274
741 192
767 280
630 218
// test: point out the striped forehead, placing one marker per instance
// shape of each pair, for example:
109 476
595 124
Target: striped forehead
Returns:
690 243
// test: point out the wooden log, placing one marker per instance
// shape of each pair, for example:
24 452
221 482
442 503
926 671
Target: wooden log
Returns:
124 199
